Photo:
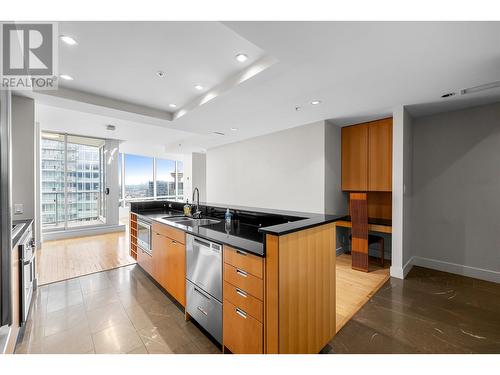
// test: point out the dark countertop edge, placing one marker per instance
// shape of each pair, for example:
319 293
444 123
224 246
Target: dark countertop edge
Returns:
296 226
185 229
310 219
17 238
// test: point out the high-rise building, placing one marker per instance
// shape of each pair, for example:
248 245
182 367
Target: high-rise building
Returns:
81 175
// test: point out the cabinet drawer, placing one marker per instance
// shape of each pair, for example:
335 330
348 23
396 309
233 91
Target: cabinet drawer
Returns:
243 300
205 309
247 262
243 280
172 233
242 333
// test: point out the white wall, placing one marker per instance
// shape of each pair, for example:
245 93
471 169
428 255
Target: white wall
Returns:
456 192
112 165
284 170
23 157
401 196
199 175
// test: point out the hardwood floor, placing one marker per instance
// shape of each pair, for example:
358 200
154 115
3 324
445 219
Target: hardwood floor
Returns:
355 288
65 259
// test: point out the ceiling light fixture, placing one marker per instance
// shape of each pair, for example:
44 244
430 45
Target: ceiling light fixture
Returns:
66 77
160 73
68 40
448 94
218 133
241 57
172 105
110 127
316 102
199 87
297 108
234 129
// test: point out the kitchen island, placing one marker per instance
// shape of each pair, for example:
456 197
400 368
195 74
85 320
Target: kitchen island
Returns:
278 279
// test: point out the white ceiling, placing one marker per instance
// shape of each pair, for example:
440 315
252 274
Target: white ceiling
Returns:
358 70
120 59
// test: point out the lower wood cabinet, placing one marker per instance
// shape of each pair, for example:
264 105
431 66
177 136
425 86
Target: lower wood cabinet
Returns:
243 308
169 261
242 333
176 271
145 260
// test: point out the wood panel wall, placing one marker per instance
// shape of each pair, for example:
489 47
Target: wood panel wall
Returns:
300 290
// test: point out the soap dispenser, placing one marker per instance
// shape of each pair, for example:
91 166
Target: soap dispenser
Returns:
228 216
187 208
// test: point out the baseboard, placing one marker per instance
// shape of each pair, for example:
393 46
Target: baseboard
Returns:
82 232
401 272
459 269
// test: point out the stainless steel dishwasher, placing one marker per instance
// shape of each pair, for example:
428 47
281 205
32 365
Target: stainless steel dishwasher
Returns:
204 284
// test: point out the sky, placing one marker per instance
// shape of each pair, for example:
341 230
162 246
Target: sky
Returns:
139 169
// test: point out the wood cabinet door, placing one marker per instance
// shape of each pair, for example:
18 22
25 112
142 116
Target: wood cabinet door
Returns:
380 155
355 158
144 260
176 271
160 246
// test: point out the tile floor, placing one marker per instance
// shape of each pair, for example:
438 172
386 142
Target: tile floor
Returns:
429 312
116 311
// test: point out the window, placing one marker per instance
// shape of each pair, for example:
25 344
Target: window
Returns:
138 177
146 177
65 185
165 178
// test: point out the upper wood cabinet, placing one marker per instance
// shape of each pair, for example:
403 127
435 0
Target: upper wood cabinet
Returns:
355 158
367 156
380 155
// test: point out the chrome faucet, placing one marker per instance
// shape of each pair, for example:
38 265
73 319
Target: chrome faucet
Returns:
197 213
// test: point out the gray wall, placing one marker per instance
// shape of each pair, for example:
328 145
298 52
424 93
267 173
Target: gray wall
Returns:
335 199
23 157
455 216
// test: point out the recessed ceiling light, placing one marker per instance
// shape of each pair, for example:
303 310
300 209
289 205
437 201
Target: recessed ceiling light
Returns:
199 87
297 108
68 40
160 73
316 102
241 57
234 129
172 105
218 133
66 77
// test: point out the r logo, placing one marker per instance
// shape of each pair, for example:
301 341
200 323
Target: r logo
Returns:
27 49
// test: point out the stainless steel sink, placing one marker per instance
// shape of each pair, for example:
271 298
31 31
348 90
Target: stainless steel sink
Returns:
191 222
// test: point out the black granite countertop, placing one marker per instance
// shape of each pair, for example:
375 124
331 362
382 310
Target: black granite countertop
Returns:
247 229
238 235
17 237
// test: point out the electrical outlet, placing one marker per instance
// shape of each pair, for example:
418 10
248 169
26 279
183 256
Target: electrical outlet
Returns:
18 208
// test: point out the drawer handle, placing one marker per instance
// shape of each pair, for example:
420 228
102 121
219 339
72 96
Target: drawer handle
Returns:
241 273
202 311
174 242
201 293
241 252
241 293
241 313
